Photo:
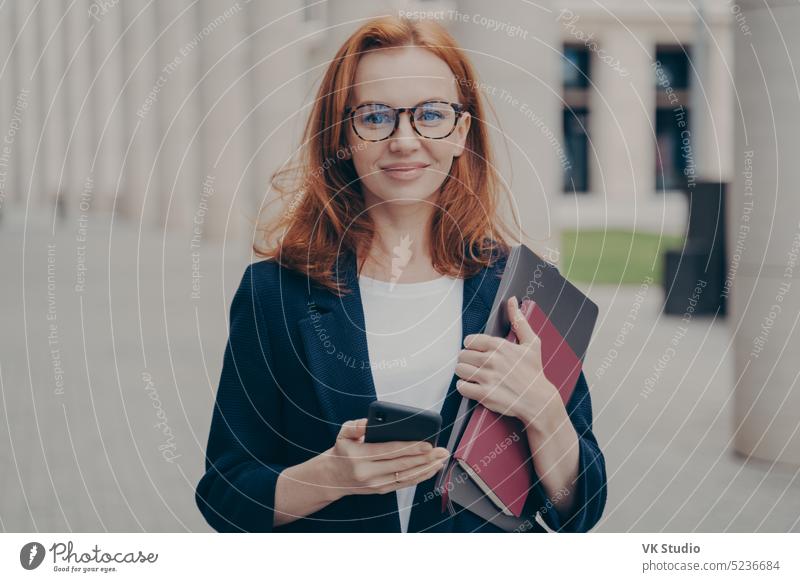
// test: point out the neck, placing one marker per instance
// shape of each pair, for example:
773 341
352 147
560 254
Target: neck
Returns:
400 247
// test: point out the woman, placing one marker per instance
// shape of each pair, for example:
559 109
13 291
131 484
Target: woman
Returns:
388 259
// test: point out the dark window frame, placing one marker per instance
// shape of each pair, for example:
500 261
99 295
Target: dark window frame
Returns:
576 115
672 107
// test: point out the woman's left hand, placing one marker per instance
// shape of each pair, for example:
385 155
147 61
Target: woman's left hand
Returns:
508 378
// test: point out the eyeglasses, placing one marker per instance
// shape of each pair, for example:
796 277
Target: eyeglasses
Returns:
431 119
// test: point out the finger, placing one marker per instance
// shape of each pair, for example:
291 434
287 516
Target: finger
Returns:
471 390
400 464
473 357
393 449
468 372
482 342
421 473
408 477
519 323
353 429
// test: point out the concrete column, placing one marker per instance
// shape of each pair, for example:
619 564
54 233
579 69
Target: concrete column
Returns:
278 81
711 93
177 105
79 98
27 101
721 95
623 118
225 101
345 16
764 239
7 99
140 52
109 144
51 72
522 78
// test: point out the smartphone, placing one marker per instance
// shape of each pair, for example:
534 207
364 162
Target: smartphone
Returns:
388 421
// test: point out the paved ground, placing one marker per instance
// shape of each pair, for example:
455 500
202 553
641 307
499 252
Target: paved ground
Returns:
107 393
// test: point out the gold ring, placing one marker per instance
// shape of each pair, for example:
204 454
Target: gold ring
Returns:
396 478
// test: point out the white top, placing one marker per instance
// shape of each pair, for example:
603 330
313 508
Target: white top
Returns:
413 338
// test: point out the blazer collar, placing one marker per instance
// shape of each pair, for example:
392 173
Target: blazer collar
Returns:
335 343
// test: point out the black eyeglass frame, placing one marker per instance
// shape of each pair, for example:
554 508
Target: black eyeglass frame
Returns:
350 111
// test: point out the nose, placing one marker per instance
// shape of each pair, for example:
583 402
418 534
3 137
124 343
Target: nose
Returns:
404 139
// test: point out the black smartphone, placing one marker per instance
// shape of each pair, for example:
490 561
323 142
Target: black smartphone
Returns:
388 421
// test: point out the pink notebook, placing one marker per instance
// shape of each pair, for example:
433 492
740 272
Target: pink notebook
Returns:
494 449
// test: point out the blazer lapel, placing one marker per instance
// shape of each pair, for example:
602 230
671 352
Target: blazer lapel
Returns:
335 343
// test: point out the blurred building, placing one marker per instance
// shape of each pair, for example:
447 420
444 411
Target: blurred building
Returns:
171 116
175 113
647 109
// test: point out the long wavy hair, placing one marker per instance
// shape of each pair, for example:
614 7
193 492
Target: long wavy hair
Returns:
323 211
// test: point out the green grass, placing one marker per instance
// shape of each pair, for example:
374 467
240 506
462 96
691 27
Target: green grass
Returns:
614 256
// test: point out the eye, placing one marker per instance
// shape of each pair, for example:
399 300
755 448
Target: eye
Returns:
432 113
374 115
376 118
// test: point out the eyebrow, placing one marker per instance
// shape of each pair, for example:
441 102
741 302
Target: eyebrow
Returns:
374 102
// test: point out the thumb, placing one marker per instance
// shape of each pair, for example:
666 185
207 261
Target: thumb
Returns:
519 322
353 429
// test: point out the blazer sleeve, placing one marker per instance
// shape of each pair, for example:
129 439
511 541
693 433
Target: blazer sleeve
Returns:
590 488
245 451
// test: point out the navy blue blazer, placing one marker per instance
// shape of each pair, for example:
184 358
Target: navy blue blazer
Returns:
295 368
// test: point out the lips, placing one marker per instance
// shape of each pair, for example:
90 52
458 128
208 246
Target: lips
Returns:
404 171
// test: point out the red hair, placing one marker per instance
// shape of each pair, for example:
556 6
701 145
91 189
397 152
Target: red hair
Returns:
326 215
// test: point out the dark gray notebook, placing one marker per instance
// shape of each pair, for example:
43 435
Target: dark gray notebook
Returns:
526 275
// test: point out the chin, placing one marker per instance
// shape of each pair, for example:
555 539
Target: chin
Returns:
408 196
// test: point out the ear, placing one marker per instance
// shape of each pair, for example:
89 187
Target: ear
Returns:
459 136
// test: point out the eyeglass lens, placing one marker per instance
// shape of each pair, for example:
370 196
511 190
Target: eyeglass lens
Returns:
374 121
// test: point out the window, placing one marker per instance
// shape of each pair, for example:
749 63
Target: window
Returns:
575 66
670 159
675 66
673 135
576 143
576 76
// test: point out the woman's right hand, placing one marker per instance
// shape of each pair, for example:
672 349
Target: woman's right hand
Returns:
359 468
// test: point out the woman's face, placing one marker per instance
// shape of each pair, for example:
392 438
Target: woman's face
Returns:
406 167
